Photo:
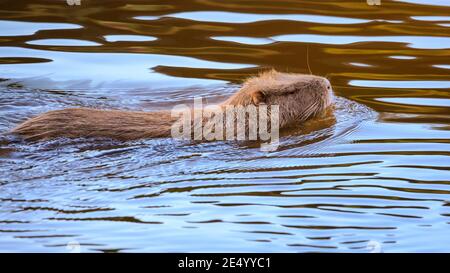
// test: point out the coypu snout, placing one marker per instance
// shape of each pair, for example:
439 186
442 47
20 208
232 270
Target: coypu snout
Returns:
323 88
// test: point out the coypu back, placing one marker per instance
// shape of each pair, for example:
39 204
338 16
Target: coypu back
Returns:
84 122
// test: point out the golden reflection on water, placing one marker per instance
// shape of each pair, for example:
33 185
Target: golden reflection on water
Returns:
367 175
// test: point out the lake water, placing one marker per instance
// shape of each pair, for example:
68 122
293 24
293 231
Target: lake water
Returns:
376 180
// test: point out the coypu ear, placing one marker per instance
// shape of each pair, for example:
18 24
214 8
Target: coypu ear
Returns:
258 97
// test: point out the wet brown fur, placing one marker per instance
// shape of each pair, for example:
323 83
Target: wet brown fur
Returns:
299 97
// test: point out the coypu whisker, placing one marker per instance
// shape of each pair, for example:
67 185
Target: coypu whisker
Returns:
307 60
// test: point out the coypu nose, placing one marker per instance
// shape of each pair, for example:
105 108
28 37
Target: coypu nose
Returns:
329 92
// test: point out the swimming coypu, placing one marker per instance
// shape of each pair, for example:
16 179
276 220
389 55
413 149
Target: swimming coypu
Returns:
299 97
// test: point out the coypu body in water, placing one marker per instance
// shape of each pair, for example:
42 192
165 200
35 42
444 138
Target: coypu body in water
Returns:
299 97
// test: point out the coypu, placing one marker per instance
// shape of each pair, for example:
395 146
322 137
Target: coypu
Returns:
299 97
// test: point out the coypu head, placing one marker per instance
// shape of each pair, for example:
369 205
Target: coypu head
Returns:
299 96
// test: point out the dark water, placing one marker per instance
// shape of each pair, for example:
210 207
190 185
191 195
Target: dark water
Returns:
376 180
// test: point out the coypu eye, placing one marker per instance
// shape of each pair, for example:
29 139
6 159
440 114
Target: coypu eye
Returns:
328 87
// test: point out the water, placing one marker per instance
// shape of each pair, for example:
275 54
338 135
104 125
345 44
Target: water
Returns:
378 176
